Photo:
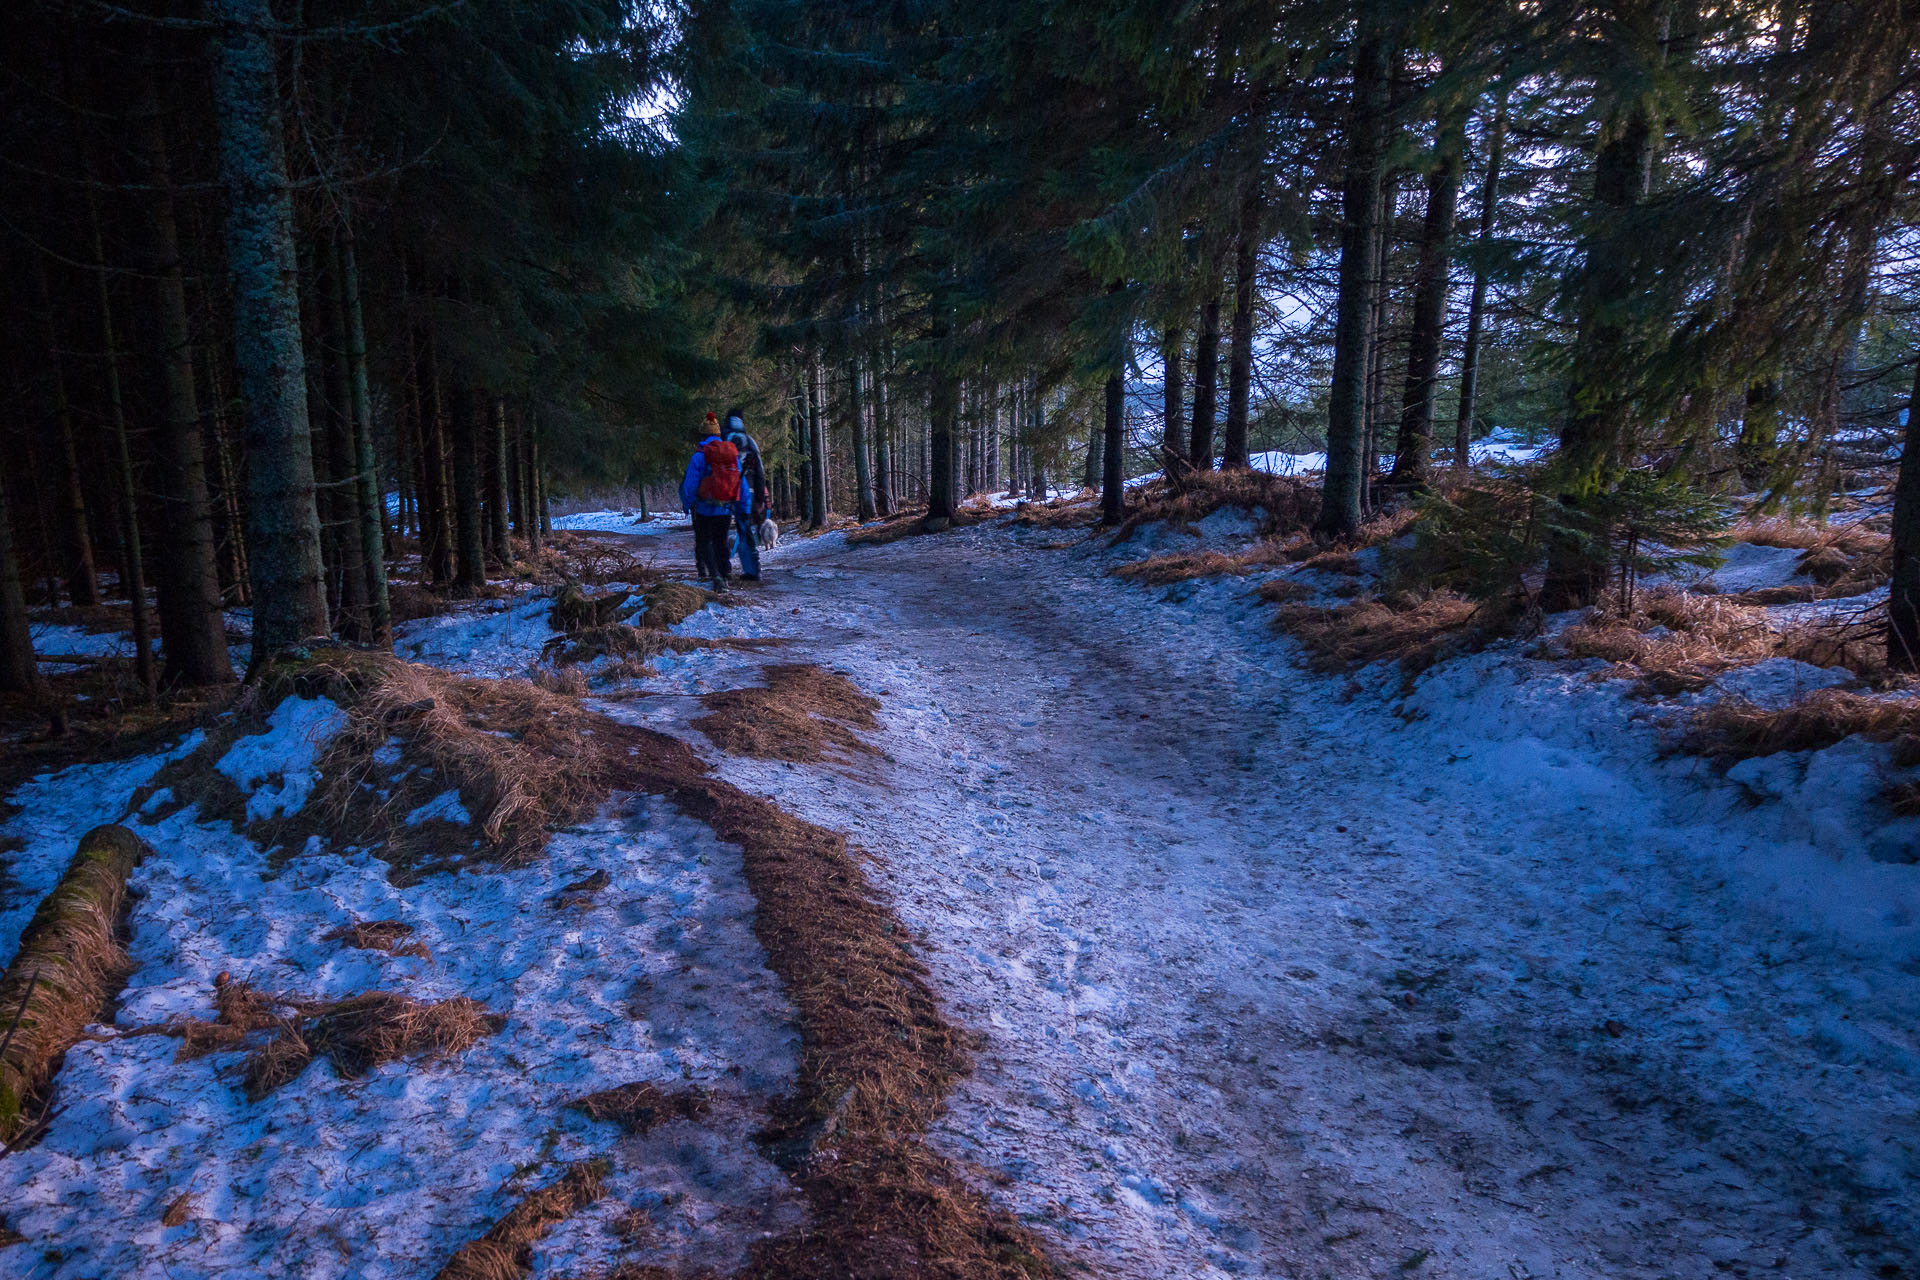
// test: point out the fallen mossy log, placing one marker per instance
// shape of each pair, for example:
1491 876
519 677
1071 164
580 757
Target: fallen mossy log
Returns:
70 967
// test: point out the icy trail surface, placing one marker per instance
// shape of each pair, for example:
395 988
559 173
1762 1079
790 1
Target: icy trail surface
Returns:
1281 975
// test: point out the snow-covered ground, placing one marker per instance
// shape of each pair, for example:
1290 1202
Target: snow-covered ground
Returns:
1499 446
1280 975
1289 975
658 978
626 521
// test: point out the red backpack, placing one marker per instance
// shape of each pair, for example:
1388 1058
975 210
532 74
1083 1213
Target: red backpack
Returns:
722 481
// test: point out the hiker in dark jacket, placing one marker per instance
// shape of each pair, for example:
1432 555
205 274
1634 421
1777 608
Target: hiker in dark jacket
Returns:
753 481
712 494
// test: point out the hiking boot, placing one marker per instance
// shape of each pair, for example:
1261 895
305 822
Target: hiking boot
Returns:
720 586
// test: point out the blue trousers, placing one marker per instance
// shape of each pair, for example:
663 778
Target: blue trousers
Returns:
747 543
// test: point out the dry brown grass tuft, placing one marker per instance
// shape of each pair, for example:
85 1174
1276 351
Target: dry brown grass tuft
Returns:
566 681
389 936
911 523
1845 560
638 1107
877 1057
1281 590
1180 566
804 713
505 1252
1732 729
1289 504
1057 513
1699 636
362 1032
519 756
1334 562
69 967
1416 629
671 603
1762 597
1780 531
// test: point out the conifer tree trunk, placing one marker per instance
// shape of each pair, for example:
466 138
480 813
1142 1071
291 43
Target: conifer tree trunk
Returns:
1234 456
133 579
862 467
1359 270
373 505
1592 435
436 536
343 494
1172 399
1903 590
19 673
469 543
82 574
883 481
543 517
1113 471
283 526
943 406
1206 377
1431 277
1477 303
817 443
516 481
192 626
499 543
223 473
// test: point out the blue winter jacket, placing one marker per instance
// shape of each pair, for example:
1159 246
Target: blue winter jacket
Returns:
690 499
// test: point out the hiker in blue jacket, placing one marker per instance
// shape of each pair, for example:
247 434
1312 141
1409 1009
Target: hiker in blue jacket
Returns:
753 495
713 494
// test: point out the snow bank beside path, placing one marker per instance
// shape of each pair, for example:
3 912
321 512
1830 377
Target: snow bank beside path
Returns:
623 522
654 976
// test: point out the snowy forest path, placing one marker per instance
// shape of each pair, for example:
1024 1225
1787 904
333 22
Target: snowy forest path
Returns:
1265 992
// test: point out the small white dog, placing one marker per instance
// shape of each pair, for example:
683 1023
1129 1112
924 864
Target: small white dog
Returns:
768 534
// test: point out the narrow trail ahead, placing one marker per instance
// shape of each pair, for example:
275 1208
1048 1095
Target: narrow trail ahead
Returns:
1275 983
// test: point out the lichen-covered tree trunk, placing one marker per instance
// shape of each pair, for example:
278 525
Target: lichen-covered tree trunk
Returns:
283 526
1413 449
19 673
192 627
1206 381
68 970
1359 275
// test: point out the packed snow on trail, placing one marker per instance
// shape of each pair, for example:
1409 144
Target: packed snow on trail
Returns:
1284 974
